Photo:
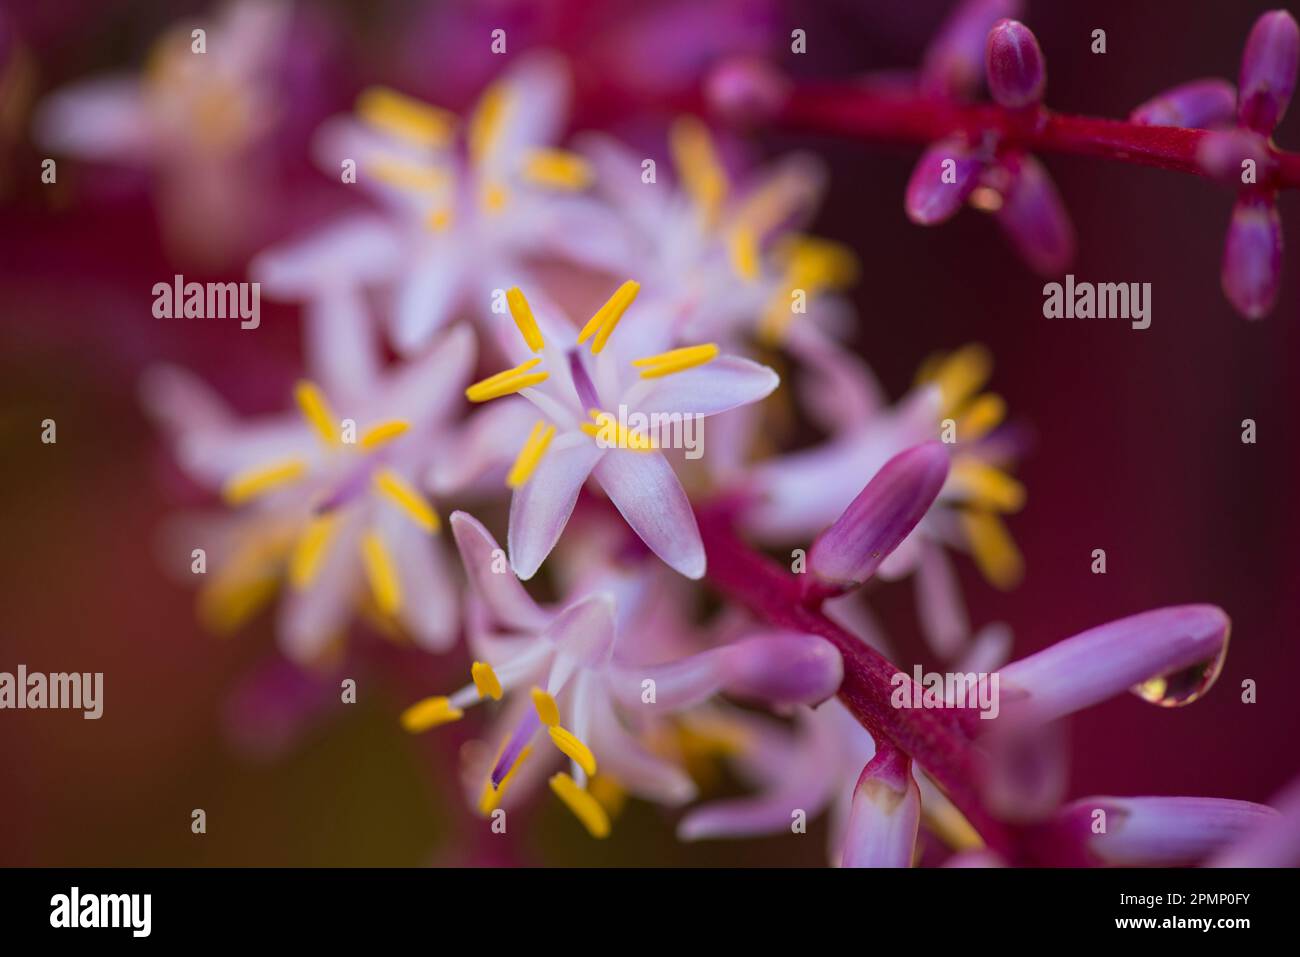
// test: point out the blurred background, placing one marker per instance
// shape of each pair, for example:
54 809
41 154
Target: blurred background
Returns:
1136 435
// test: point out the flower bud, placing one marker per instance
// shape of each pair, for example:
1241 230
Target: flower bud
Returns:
1252 256
1268 70
1199 104
1014 65
936 190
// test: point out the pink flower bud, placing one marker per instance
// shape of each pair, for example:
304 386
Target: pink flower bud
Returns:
850 551
885 815
1199 104
1252 256
1014 64
944 176
1268 70
1034 217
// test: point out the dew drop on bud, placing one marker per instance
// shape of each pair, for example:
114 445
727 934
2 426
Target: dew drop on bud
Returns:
1182 687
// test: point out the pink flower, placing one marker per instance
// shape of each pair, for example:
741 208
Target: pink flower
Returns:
586 395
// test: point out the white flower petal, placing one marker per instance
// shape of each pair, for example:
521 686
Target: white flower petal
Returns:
644 488
541 506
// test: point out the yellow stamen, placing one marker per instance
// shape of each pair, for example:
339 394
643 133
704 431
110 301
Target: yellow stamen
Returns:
382 573
310 548
523 316
495 197
612 434
316 410
573 748
815 264
606 319
993 549
606 789
225 605
676 360
697 165
486 680
557 169
402 116
488 121
989 487
744 254
981 417
407 498
950 825
248 580
430 713
506 383
546 707
438 220
530 456
584 807
249 485
412 176
383 433
491 796
960 375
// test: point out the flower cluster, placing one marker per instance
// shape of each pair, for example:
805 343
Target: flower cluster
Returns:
522 328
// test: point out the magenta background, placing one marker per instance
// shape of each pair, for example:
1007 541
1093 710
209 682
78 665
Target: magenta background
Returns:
1136 450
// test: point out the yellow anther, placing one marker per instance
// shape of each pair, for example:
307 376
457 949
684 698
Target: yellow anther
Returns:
316 410
697 165
959 375
606 319
309 550
557 169
248 580
405 117
676 360
485 680
430 713
495 197
988 486
411 176
383 433
584 807
574 749
982 416
506 383
814 264
402 494
488 120
491 796
439 219
522 313
381 573
993 549
744 254
606 789
249 485
547 709
530 456
609 433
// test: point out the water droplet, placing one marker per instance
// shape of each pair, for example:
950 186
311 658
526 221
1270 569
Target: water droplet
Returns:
1182 687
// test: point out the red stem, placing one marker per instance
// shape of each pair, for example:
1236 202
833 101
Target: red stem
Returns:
935 739
904 116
